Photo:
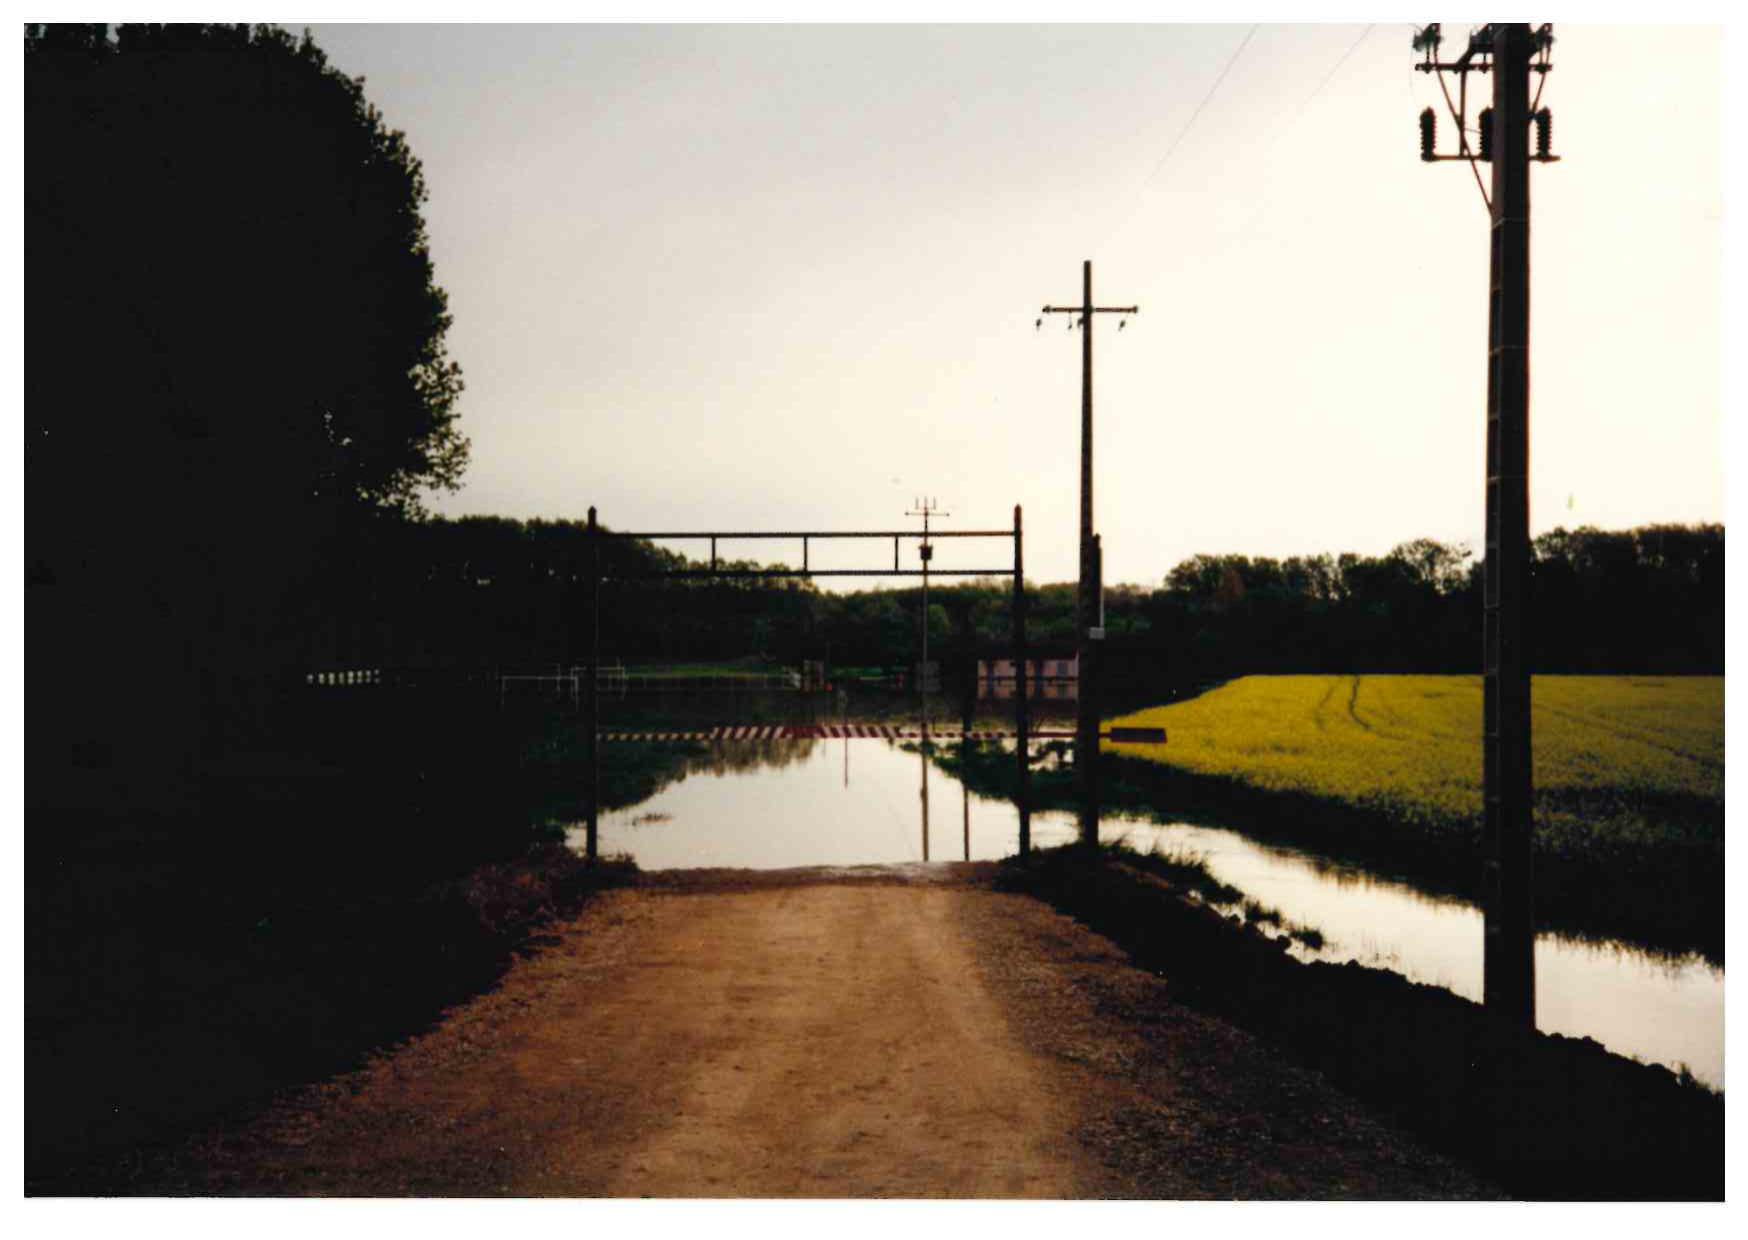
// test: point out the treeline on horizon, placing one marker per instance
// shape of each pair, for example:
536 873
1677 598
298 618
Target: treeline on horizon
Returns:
492 592
234 497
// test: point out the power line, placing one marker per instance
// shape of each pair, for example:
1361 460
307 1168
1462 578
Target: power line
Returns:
1190 124
1336 68
1280 133
1141 189
1458 119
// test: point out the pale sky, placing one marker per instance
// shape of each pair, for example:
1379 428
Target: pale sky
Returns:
786 277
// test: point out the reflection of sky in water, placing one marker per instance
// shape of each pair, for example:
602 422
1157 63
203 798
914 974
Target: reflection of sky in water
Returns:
857 802
1668 1010
862 802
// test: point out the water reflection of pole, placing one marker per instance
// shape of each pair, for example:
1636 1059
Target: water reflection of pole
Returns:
965 721
1086 741
923 753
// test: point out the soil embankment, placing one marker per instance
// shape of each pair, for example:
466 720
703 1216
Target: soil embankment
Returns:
1548 1117
907 1032
175 983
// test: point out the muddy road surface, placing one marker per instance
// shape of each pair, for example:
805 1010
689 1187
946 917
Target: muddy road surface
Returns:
899 1032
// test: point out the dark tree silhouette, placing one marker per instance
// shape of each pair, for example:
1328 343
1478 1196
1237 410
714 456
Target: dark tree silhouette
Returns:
234 355
223 234
489 592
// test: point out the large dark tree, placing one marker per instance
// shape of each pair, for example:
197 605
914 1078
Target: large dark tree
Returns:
224 238
234 355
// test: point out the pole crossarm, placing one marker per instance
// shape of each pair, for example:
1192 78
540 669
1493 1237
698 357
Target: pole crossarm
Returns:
1481 56
805 537
1095 309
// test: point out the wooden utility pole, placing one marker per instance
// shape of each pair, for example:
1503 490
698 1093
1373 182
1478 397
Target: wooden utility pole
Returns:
1510 51
925 509
1022 713
1091 664
1509 976
1086 606
591 704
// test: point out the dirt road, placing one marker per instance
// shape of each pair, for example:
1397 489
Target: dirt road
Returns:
898 1033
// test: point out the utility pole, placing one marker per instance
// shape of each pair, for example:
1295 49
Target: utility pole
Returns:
1087 629
591 699
923 753
925 508
1022 720
1511 51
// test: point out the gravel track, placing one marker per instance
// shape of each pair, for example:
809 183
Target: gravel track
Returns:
906 1032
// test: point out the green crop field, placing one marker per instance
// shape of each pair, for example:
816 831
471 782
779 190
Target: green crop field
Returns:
1629 776
1412 744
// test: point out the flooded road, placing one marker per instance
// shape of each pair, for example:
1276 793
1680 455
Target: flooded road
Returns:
784 803
818 802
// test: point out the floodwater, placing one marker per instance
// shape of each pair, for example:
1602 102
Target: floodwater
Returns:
817 802
782 803
1662 1009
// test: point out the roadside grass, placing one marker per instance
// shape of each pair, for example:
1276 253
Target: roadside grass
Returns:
702 671
1188 871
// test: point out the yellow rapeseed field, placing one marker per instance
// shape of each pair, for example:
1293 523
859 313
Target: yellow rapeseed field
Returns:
1410 745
